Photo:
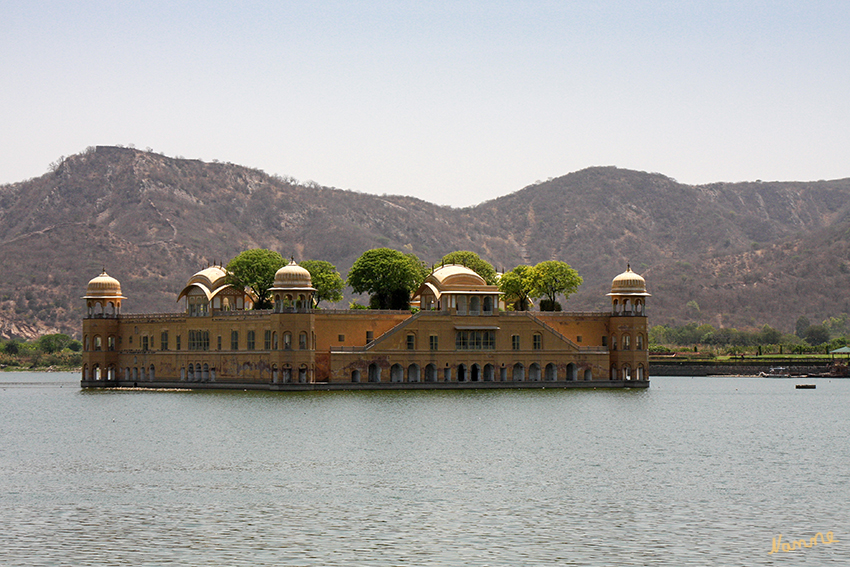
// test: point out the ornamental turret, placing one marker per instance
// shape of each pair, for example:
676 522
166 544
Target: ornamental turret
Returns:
628 294
293 288
103 296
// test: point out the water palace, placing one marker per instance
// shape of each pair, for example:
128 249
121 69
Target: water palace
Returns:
460 338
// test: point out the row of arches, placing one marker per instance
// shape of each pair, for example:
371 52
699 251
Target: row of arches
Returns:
288 302
627 307
464 304
626 343
140 374
626 372
97 309
95 372
95 343
136 374
197 373
474 373
271 340
288 375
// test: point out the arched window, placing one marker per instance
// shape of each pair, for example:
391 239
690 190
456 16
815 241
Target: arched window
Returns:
627 306
616 306
274 340
206 372
613 372
534 372
489 372
519 372
638 307
461 305
475 373
355 376
302 340
475 305
287 341
503 373
627 342
396 373
641 373
430 373
302 374
98 343
551 372
275 374
461 373
86 345
488 305
588 374
639 342
627 372
613 342
151 373
287 374
413 373
374 372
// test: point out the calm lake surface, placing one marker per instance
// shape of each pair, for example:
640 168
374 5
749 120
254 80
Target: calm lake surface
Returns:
692 471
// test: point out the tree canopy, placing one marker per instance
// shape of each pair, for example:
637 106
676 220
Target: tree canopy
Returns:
255 269
389 276
54 343
554 277
472 261
326 279
516 287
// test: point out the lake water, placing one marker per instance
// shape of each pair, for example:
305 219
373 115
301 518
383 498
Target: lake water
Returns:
692 471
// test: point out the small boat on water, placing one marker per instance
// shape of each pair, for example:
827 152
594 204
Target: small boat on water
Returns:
806 386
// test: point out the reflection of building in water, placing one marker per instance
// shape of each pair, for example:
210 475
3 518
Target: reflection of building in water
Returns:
459 338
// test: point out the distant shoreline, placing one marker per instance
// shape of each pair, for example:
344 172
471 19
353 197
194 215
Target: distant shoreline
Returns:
741 367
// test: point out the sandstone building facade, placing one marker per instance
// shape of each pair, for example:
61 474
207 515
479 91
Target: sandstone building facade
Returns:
460 338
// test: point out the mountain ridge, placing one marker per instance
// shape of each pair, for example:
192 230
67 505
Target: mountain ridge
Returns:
151 221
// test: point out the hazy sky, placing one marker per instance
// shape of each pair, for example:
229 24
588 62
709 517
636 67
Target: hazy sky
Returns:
452 102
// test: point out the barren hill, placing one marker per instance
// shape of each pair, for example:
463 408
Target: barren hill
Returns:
746 253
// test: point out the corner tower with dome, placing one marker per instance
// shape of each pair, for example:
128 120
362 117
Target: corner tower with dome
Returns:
461 338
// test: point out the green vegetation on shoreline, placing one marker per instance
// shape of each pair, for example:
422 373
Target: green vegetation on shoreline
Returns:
48 352
705 341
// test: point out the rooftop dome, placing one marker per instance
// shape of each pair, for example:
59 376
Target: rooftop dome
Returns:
457 274
211 277
292 275
103 285
628 283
